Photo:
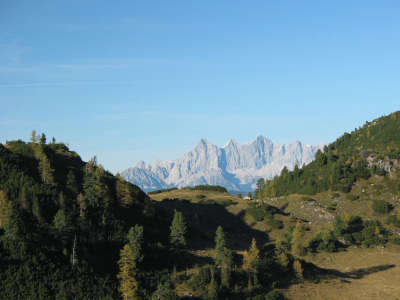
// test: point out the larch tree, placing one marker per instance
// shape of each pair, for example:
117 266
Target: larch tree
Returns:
297 236
251 257
3 207
46 171
123 193
82 205
33 137
24 199
37 210
127 272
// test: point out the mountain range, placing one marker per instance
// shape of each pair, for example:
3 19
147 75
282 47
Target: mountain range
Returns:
235 166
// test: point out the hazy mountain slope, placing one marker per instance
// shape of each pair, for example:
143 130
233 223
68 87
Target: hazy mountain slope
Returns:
235 166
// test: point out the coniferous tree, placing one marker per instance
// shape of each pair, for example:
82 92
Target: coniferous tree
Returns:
226 267
251 257
72 184
178 230
260 185
46 171
3 207
61 201
297 235
82 205
223 257
127 273
61 222
37 210
24 199
13 222
135 240
220 245
123 193
43 139
33 137
164 291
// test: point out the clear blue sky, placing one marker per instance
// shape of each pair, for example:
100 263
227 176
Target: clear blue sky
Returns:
141 80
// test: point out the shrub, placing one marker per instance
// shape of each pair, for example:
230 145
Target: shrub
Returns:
308 199
324 241
215 188
162 191
200 280
393 220
395 240
260 211
273 295
274 223
332 206
226 202
380 206
371 233
335 195
353 197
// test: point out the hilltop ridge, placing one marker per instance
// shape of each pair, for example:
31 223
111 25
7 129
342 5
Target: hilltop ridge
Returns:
373 149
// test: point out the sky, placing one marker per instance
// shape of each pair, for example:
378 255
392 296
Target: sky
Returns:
145 80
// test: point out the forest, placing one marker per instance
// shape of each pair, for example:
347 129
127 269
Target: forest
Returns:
69 229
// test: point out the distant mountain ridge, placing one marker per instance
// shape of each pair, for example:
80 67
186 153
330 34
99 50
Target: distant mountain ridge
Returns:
235 166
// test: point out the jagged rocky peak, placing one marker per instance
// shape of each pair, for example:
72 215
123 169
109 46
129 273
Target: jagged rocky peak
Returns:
235 166
142 165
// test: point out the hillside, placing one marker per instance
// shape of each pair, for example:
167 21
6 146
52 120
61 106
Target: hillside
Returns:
373 149
69 229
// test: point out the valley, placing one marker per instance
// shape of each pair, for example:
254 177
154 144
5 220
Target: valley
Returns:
330 229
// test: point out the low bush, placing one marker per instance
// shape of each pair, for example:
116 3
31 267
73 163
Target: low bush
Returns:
393 220
162 191
226 202
332 206
323 241
353 197
201 279
274 223
260 211
380 206
335 195
395 240
214 188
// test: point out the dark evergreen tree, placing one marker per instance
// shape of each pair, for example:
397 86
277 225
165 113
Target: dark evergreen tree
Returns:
178 229
135 240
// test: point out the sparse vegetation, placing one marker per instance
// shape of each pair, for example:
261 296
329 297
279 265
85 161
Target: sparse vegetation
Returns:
353 197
